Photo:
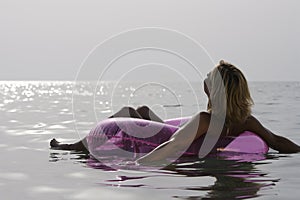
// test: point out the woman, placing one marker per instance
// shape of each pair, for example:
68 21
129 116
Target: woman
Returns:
229 108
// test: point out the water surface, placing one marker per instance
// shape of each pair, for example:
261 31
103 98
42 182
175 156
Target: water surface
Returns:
32 113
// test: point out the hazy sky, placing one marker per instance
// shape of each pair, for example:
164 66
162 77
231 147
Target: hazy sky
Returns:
48 40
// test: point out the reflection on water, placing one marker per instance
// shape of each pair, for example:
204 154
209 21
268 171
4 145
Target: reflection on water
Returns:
234 180
231 179
64 155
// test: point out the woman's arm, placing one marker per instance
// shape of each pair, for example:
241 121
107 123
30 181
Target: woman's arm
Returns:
276 142
180 141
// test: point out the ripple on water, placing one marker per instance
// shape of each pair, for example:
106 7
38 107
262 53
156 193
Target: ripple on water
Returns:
29 132
3 145
57 126
7 101
15 176
40 125
12 110
47 189
77 175
68 122
170 181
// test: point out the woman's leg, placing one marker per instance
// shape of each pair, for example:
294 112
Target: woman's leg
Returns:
142 112
127 112
81 145
146 113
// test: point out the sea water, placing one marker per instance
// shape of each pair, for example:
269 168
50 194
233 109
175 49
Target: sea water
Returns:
32 113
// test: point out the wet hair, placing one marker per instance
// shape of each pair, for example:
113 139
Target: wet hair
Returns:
228 81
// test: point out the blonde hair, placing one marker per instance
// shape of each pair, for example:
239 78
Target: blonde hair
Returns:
228 81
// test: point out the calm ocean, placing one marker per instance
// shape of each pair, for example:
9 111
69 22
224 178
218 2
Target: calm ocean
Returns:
32 113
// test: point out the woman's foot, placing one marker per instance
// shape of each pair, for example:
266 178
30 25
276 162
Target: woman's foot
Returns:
54 143
78 146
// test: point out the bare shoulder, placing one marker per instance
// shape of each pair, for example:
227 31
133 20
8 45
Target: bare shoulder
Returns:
251 121
252 124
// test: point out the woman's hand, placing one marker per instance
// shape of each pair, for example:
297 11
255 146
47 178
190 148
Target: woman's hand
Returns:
179 142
